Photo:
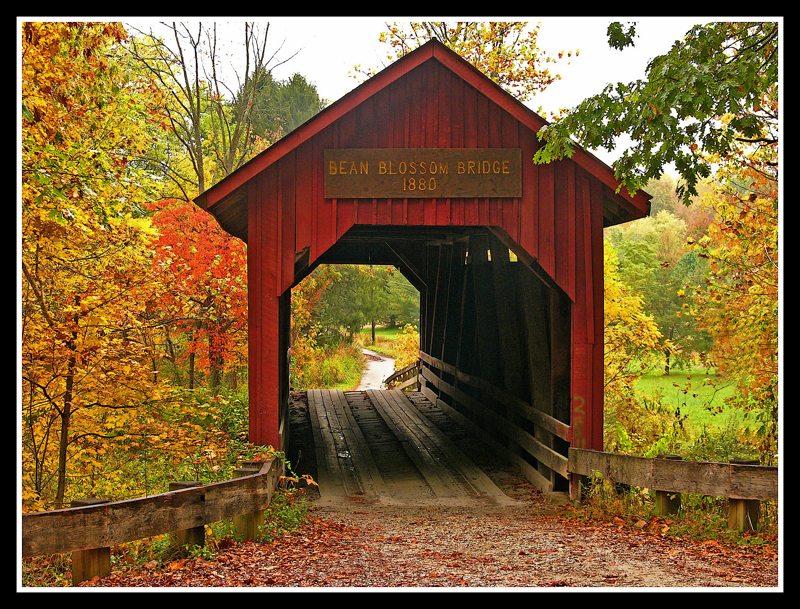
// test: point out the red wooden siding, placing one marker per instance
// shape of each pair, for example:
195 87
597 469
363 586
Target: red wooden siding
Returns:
429 99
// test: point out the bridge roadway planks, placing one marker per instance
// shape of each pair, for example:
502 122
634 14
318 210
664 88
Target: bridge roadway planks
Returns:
376 446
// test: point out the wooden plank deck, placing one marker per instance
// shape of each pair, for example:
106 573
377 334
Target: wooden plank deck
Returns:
376 446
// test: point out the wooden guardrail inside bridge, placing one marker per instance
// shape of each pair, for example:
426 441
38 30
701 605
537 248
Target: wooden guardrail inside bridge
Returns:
744 483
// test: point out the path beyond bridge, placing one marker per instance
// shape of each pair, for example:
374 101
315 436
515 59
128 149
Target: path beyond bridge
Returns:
379 368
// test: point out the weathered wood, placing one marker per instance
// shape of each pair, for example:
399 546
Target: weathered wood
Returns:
701 478
559 428
341 447
93 562
667 502
248 524
114 523
501 427
743 514
193 537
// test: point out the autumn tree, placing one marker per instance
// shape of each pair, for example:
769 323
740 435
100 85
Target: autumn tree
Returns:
708 106
632 343
740 304
508 52
207 299
207 114
656 262
704 99
85 257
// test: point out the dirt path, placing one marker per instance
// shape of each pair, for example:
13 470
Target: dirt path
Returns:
535 546
379 368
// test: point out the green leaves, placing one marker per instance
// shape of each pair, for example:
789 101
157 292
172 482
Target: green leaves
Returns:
700 102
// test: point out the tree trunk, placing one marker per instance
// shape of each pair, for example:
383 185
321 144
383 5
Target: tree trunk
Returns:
66 414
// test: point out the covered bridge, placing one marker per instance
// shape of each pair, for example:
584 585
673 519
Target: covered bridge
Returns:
427 166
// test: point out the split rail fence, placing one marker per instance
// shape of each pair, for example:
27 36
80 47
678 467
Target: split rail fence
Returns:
93 526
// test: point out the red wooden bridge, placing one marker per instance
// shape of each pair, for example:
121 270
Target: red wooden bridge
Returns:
427 167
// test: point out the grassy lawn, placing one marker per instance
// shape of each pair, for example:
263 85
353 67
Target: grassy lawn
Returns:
385 340
699 395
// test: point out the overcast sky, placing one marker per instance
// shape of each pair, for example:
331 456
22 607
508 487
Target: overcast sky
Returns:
330 47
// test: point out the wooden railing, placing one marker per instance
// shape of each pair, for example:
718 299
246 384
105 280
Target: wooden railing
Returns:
90 529
497 426
406 378
744 483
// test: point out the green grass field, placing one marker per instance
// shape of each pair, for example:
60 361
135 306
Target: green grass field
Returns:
699 395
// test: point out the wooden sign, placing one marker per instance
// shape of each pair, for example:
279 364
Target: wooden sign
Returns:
397 173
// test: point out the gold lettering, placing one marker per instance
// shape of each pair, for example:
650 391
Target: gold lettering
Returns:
382 167
505 167
332 168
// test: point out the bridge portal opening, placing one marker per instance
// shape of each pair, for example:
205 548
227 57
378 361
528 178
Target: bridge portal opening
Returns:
338 310
494 336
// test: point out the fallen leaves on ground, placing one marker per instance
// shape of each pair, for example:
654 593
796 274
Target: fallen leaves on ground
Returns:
465 549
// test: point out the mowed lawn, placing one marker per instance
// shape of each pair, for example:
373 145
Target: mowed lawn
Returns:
695 394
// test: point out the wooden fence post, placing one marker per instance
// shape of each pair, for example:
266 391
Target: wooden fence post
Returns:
92 562
667 502
247 525
743 514
576 482
194 537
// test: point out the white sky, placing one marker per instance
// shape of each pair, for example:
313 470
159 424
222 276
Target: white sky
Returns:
329 48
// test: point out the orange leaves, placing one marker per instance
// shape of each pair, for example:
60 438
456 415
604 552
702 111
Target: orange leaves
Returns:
204 280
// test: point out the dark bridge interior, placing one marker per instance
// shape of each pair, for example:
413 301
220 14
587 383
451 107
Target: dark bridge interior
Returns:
494 336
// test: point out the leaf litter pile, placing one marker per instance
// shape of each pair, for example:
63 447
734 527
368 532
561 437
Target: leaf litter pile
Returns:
378 547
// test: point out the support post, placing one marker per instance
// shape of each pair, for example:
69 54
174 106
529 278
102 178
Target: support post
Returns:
743 514
248 525
576 481
194 537
667 502
93 562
